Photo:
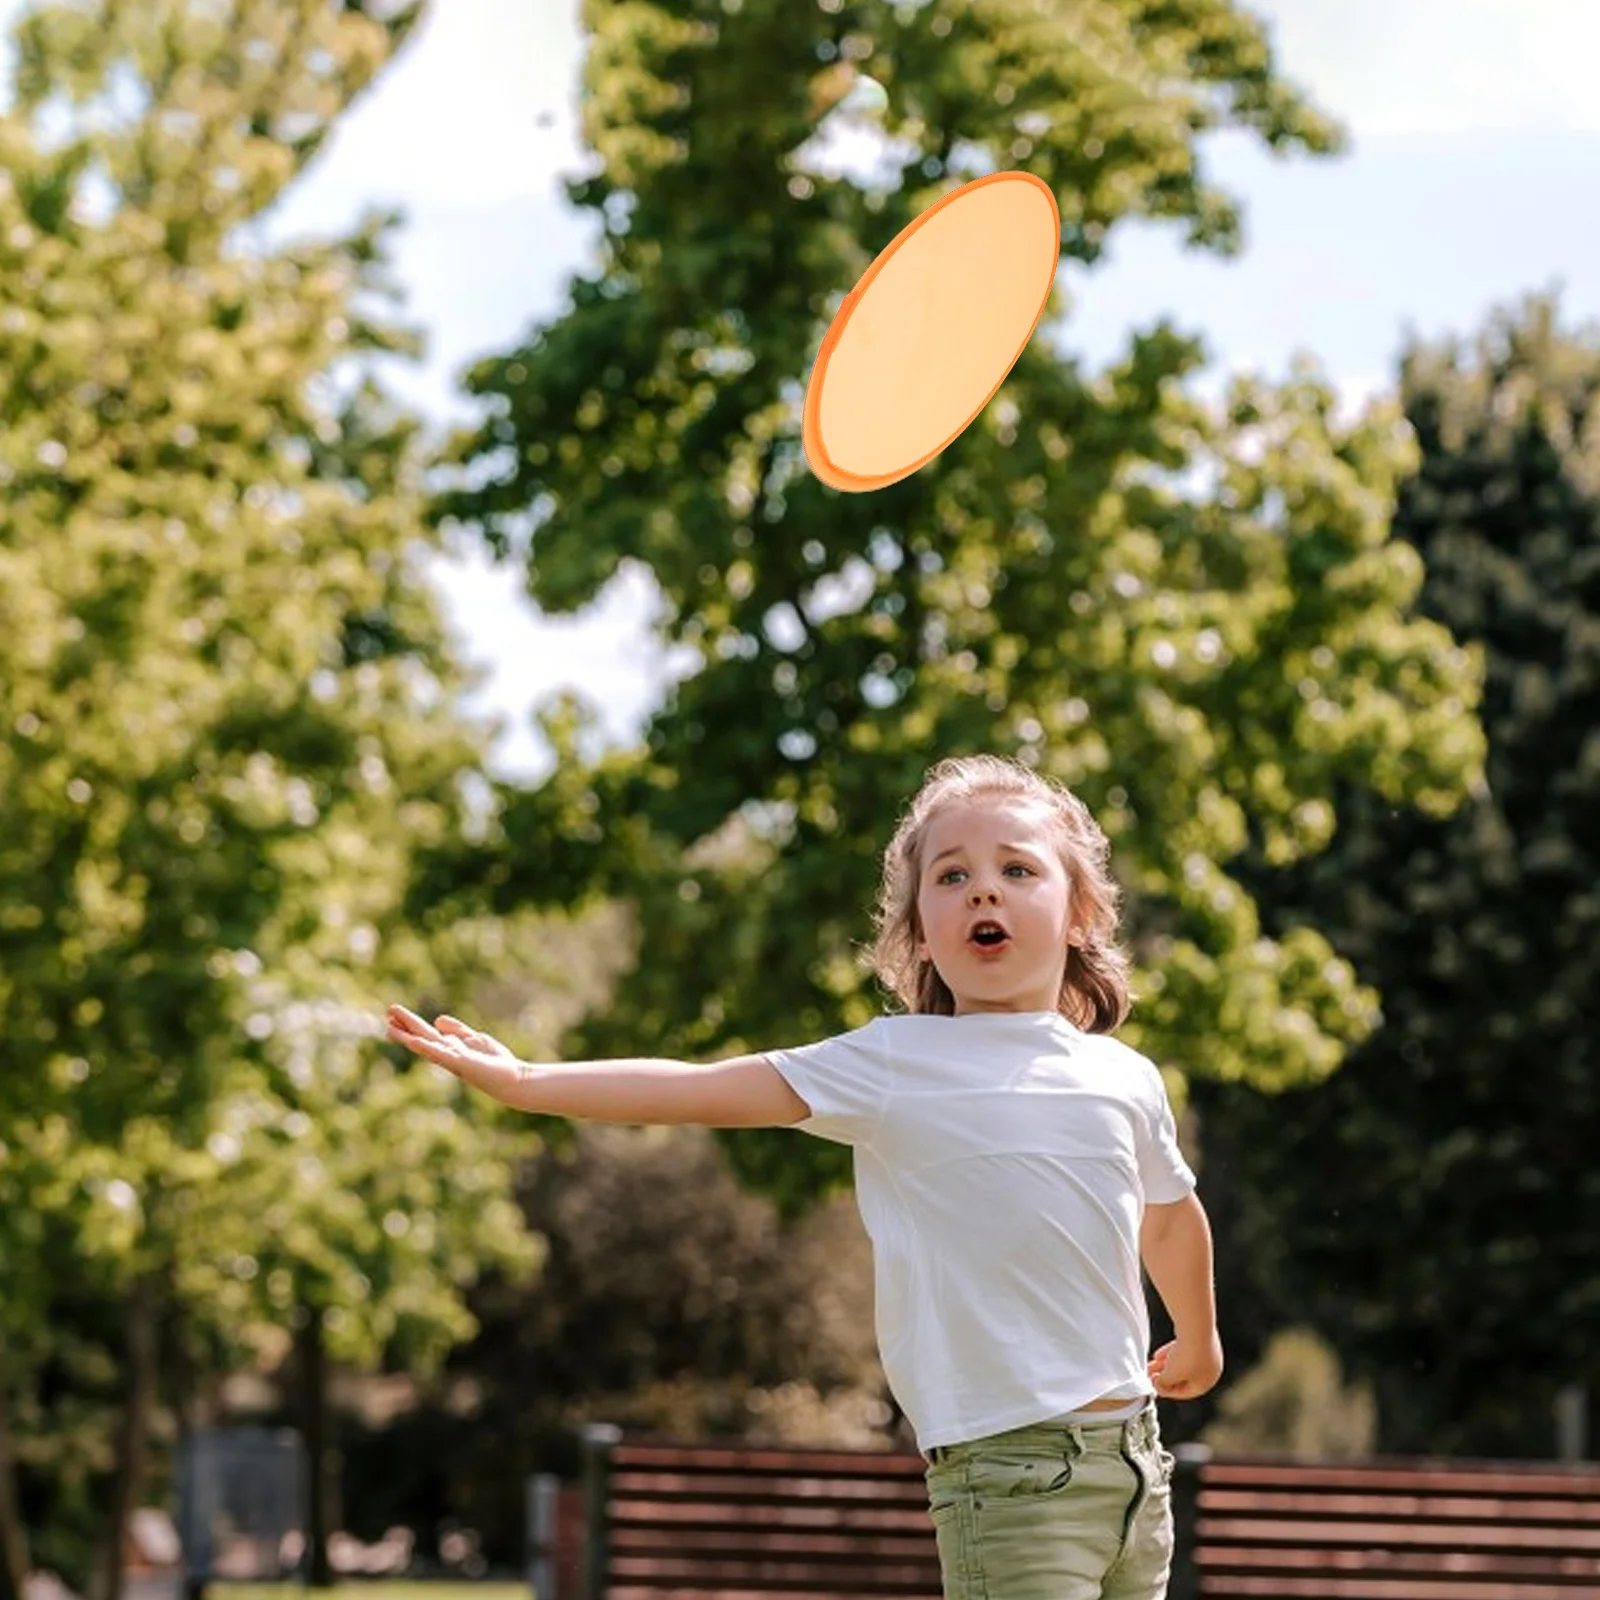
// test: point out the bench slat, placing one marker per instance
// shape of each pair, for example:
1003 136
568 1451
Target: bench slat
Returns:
666 1570
1418 1588
871 1464
688 1513
1511 1482
1444 1536
1438 1507
792 1486
852 1546
1499 1565
626 1591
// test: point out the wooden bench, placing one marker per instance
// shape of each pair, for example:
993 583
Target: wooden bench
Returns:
656 1520
1397 1530
738 1522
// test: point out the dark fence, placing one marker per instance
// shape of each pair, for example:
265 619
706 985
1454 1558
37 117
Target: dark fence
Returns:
654 1519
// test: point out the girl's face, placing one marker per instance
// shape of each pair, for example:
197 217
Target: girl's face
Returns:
993 864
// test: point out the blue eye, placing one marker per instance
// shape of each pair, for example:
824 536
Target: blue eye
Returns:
950 872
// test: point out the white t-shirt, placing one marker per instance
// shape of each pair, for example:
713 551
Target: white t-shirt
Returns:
1003 1161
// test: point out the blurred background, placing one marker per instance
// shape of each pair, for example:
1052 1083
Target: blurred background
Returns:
411 588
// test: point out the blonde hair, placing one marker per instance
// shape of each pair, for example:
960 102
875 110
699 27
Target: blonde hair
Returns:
1094 987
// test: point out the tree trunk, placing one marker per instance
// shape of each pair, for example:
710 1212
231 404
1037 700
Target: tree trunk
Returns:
182 1379
14 1559
128 1471
313 1374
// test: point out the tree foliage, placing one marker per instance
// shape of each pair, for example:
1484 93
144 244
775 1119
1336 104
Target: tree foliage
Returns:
1429 1206
1192 613
227 725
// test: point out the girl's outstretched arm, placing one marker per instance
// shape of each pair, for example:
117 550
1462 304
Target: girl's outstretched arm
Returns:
743 1092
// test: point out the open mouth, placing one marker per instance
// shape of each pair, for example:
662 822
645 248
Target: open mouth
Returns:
988 936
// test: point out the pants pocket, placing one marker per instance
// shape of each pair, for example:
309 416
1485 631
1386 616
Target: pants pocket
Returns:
950 1508
947 1490
1022 1472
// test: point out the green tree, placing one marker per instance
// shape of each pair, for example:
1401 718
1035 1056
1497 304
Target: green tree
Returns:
1194 614
1429 1207
227 725
341 1210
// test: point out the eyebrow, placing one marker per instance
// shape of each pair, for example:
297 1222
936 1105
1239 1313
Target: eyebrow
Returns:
959 849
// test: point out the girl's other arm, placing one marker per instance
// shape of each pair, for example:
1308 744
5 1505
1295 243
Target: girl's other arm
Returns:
743 1092
1175 1242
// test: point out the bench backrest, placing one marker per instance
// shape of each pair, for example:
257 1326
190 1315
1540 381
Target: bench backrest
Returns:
711 1521
1397 1530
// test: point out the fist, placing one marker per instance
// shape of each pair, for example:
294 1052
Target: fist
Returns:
1186 1368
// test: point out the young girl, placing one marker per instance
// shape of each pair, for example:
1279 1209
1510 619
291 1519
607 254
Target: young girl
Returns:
1013 1163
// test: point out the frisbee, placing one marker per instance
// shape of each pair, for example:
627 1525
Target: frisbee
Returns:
923 341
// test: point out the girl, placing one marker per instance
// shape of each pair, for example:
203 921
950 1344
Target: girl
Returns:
1013 1162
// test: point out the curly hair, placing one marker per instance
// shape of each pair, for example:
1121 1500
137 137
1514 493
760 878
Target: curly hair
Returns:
1094 986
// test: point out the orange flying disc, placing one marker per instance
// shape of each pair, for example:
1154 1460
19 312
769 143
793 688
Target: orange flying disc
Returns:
927 336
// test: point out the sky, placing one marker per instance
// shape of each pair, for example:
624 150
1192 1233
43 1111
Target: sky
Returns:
1471 180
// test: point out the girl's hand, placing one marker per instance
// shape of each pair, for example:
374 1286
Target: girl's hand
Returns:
1186 1368
476 1057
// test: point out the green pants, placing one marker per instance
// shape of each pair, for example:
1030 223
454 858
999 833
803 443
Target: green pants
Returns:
1055 1511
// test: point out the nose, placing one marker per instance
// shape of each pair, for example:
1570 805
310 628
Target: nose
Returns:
978 895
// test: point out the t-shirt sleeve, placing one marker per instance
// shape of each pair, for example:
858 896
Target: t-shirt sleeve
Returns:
844 1080
1165 1175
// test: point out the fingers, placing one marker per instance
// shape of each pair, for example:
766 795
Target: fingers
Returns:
415 1024
486 1043
405 1027
410 1022
1182 1386
1172 1378
407 1021
446 1041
